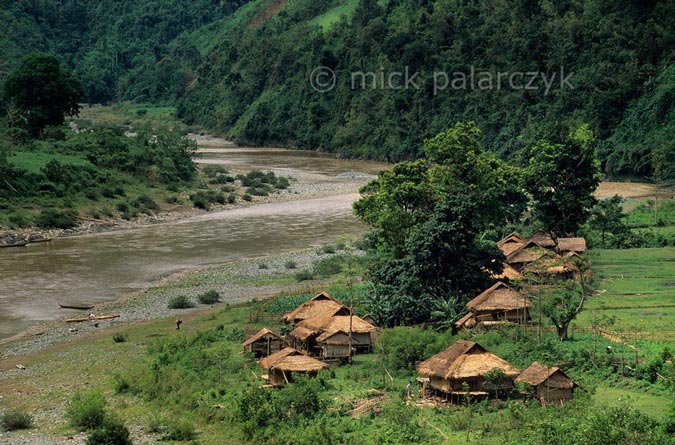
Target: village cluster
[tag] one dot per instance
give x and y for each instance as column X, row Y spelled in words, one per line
column 324, row 330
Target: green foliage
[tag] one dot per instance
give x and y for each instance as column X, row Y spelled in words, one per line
column 120, row 337
column 56, row 219
column 111, row 432
column 402, row 348
column 181, row 302
column 13, row 420
column 180, row 429
column 203, row 199
column 304, row 275
column 290, row 264
column 561, row 178
column 43, row 92
column 87, row 411
column 209, row 297
column 261, row 412
column 607, row 217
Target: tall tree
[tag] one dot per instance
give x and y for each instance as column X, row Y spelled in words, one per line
column 44, row 92
column 607, row 218
column 566, row 302
column 561, row 178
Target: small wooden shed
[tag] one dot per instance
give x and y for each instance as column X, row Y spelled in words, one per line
column 283, row 364
column 548, row 384
column 264, row 342
column 465, row 362
column 333, row 345
column 499, row 303
column 543, row 239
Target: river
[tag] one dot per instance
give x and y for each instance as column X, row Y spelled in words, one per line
column 102, row 267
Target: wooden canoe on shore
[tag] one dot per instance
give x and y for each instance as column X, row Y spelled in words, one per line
column 19, row 244
column 79, row 307
column 100, row 317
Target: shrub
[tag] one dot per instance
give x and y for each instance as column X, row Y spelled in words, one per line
column 181, row 302
column 87, row 411
column 290, row 264
column 172, row 199
column 304, row 275
column 56, row 219
column 247, row 197
column 328, row 249
column 209, row 297
column 214, row 170
column 16, row 420
column 112, row 432
column 231, row 198
column 145, row 202
column 282, row 183
column 263, row 266
column 228, row 188
column 121, row 383
column 120, row 337
column 329, row 266
column 180, row 430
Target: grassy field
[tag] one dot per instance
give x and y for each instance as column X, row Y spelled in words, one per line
column 96, row 362
column 33, row 161
column 640, row 292
column 129, row 114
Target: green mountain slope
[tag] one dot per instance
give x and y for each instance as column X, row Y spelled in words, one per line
column 254, row 85
column 242, row 68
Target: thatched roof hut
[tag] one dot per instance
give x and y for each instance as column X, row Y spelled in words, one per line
column 543, row 239
column 287, row 361
column 510, row 242
column 509, row 273
column 465, row 362
column 527, row 253
column 555, row 266
column 565, row 245
column 550, row 384
column 306, row 333
column 264, row 342
column 499, row 303
column 319, row 304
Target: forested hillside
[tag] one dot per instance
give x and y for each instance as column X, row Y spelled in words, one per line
column 242, row 69
column 107, row 44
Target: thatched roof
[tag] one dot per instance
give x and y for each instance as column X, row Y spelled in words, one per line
column 272, row 359
column 510, row 242
column 500, row 297
column 542, row 239
column 327, row 322
column 291, row 360
column 319, row 304
column 467, row 321
column 577, row 245
column 264, row 333
column 462, row 360
column 536, row 374
column 556, row 265
column 299, row 363
column 333, row 337
column 508, row 273
column 527, row 253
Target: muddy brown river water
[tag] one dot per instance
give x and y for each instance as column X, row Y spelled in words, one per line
column 101, row 267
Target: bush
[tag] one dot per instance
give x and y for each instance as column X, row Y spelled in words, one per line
column 329, row 266
column 247, row 197
column 181, row 302
column 180, row 430
column 328, row 249
column 290, row 264
column 122, row 384
column 228, row 188
column 56, row 219
column 214, row 170
column 120, row 337
column 209, row 297
column 112, row 432
column 203, row 199
column 16, row 420
column 145, row 202
column 231, row 198
column 87, row 411
column 304, row 275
